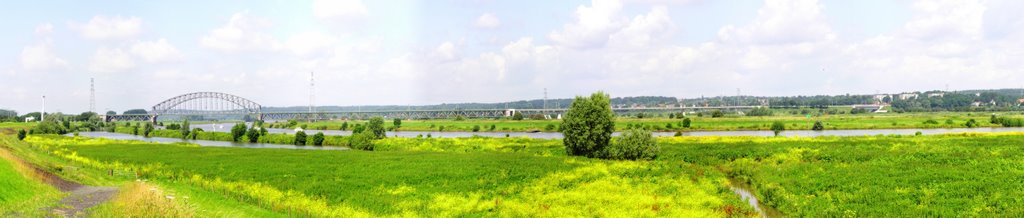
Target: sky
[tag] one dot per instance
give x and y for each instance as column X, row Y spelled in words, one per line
column 428, row 52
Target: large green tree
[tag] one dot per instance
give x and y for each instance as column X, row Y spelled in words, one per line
column 376, row 126
column 588, row 125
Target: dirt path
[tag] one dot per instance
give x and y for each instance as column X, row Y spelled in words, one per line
column 81, row 197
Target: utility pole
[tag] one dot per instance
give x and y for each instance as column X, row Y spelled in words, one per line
column 92, row 95
column 42, row 114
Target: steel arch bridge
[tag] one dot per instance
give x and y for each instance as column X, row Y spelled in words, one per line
column 197, row 103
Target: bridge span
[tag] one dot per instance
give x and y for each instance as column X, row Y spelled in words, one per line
column 215, row 103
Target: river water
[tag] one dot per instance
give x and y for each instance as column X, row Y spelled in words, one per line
column 226, row 127
column 122, row 136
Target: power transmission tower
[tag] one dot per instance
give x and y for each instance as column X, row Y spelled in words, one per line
column 542, row 111
column 92, row 95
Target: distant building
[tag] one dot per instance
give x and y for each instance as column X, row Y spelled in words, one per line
column 1020, row 101
column 30, row 119
column 936, row 94
column 906, row 96
column 976, row 104
column 880, row 98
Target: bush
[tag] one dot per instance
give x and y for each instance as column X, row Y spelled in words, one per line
column 376, row 126
column 318, row 139
column 679, row 133
column 588, row 124
column 459, row 118
column 971, row 123
column 717, row 114
column 253, row 135
column 358, row 129
column 21, row 134
column 517, row 116
column 493, row 127
column 818, row 126
column 398, row 123
column 761, row 111
column 363, row 141
column 344, row 126
column 686, row 122
column 195, row 133
column 300, row 138
column 634, row 144
column 778, row 127
column 476, row 128
column 237, row 131
column 931, row 122
column 549, row 127
column 993, row 119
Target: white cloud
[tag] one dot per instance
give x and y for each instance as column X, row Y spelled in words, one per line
column 310, row 43
column 592, row 25
column 41, row 57
column 156, row 51
column 339, row 11
column 103, row 27
column 446, row 52
column 782, row 22
column 44, row 29
column 242, row 33
column 644, row 29
column 946, row 18
column 487, row 21
column 107, row 60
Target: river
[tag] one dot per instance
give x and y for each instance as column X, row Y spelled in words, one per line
column 122, row 136
column 226, row 127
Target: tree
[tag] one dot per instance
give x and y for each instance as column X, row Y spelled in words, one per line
column 237, row 131
column 344, row 126
column 588, row 124
column 318, row 139
column 397, row 123
column 300, row 138
column 994, row 119
column 86, row 116
column 253, row 134
column 376, row 126
column 52, row 124
column 184, row 129
column 778, row 127
column 634, row 144
column 672, row 116
column 818, row 126
column 135, row 130
column 148, row 128
column 686, row 122
column 21, row 134
column 517, row 116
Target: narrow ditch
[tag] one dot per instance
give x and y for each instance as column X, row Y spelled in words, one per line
column 746, row 193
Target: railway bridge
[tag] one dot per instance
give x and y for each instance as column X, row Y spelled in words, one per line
column 216, row 103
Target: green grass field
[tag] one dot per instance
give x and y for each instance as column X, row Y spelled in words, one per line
column 706, row 123
column 942, row 175
column 420, row 183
